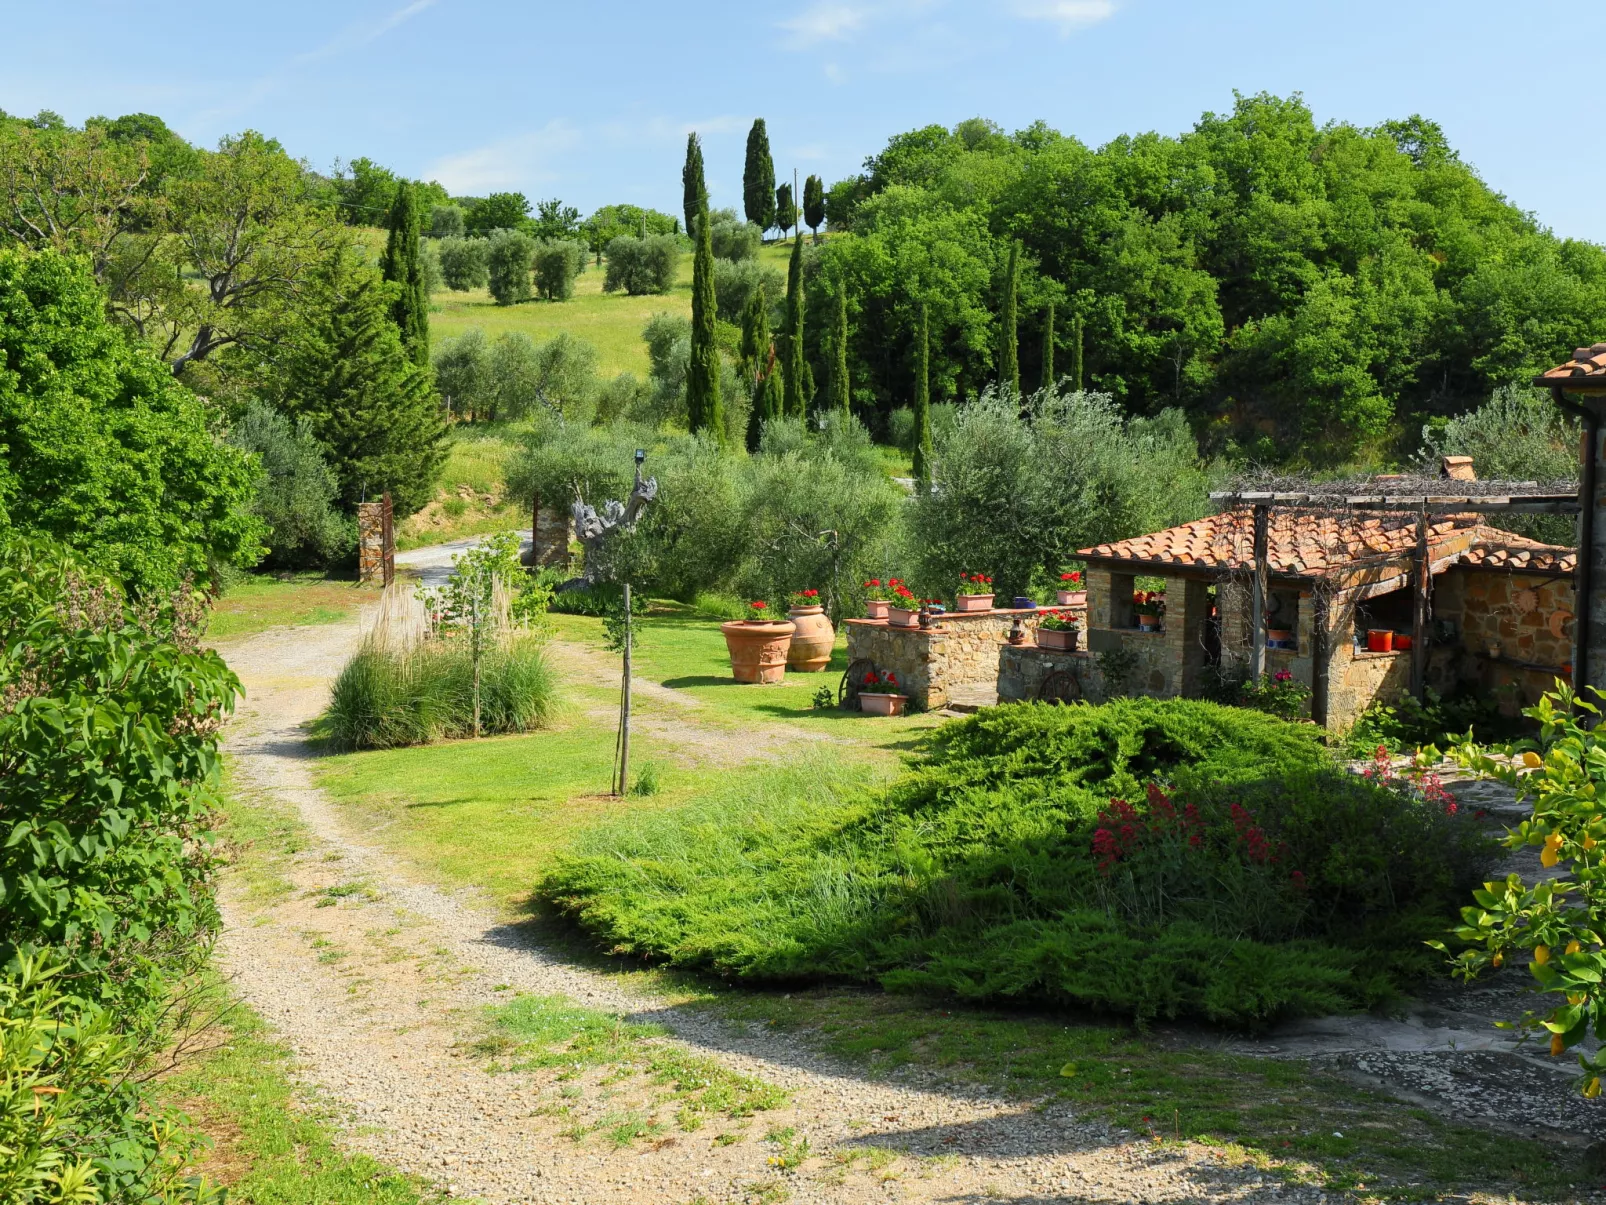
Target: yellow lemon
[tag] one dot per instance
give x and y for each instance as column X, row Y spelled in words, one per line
column 1550, row 855
column 1531, row 760
column 1592, row 1088
column 1556, row 1045
column 1573, row 947
column 1575, row 997
column 1498, row 958
column 1590, row 842
column 1541, row 954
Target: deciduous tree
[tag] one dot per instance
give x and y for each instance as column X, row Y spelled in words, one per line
column 922, row 406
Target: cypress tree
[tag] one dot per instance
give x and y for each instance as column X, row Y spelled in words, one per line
column 923, row 450
column 402, row 265
column 760, row 365
column 841, row 394
column 785, row 208
column 702, row 374
column 1076, row 352
column 792, row 372
column 371, row 408
column 694, row 189
column 1009, row 361
column 814, row 204
column 1048, row 347
column 758, row 178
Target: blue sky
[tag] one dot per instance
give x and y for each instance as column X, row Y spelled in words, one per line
column 591, row 102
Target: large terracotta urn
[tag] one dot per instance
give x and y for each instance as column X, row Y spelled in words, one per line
column 812, row 642
column 758, row 648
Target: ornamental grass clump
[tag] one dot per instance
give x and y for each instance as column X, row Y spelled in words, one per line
column 1159, row 858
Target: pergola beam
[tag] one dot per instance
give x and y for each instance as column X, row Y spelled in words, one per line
column 1483, row 504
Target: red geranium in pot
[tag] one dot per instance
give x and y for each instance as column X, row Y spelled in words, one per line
column 758, row 644
column 879, row 694
column 975, row 593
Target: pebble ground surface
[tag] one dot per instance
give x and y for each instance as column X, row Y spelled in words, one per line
column 378, row 983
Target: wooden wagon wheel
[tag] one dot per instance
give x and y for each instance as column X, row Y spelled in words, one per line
column 1061, row 686
column 847, row 690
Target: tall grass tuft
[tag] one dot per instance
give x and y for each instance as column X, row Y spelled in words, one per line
column 392, row 694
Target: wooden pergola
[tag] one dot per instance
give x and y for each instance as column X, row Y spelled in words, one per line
column 1506, row 498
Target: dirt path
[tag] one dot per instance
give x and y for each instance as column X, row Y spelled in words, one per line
column 377, row 982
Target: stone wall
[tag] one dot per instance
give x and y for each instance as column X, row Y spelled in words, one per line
column 1022, row 670
column 959, row 651
column 1529, row 616
column 1163, row 664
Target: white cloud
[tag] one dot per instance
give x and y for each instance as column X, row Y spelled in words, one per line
column 505, row 164
column 1069, row 15
column 825, row 23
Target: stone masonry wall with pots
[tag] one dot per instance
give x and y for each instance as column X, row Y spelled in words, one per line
column 959, row 650
column 1022, row 670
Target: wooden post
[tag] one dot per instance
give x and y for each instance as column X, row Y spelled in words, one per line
column 388, row 530
column 623, row 785
column 1421, row 584
column 1257, row 602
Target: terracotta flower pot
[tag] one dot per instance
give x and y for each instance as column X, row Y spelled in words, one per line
column 903, row 617
column 1061, row 640
column 813, row 641
column 1280, row 636
column 877, row 703
column 1148, row 623
column 875, row 608
column 1379, row 640
column 758, row 649
column 973, row 602
column 1071, row 598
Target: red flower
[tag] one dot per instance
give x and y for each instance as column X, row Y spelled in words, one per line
column 1072, row 576
column 870, row 678
column 760, row 605
column 890, row 678
column 874, row 581
column 1299, row 880
column 1283, row 675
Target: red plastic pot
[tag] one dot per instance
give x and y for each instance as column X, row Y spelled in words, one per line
column 1379, row 640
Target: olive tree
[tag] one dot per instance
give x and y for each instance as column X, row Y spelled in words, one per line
column 507, row 260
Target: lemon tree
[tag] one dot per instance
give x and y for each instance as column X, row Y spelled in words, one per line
column 1558, row 920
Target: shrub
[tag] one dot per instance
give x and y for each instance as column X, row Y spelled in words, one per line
column 733, row 239
column 557, row 263
column 640, row 266
column 429, row 266
column 558, row 376
column 296, row 492
column 446, row 221
column 464, row 263
column 386, row 698
column 626, row 396
column 508, row 256
column 735, row 283
column 1411, row 724
column 605, row 598
column 982, row 872
column 901, row 428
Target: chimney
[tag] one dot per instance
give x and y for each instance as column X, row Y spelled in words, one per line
column 1457, row 468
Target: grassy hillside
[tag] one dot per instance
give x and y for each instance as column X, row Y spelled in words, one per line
column 611, row 322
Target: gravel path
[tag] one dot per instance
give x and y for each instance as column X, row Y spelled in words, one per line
column 376, row 981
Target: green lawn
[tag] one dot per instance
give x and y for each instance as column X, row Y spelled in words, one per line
column 261, row 601
column 610, row 322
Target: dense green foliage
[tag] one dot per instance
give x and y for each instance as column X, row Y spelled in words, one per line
column 703, row 408
column 1017, row 499
column 737, row 281
column 758, row 178
column 445, row 221
column 108, row 716
column 374, row 412
column 99, row 446
column 1009, row 334
column 642, row 265
column 499, row 211
column 513, row 377
column 920, row 440
column 296, row 493
column 402, row 265
column 1332, row 281
column 734, row 239
column 785, row 208
column 613, row 221
column 1267, row 883
column 841, row 395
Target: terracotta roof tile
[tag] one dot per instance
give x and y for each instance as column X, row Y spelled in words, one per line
column 1312, row 543
column 1586, row 362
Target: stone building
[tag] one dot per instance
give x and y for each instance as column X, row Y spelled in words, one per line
column 1500, row 610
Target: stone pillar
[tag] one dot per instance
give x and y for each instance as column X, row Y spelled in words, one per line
column 551, row 532
column 376, row 542
column 1189, row 602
